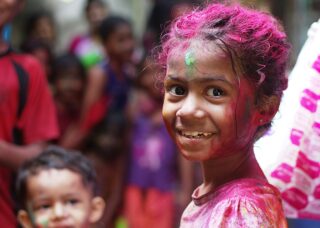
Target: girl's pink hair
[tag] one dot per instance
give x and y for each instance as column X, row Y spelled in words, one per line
column 254, row 40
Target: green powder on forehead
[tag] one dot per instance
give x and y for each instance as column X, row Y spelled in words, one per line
column 189, row 60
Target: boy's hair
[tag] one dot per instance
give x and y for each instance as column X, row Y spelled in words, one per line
column 55, row 157
column 110, row 24
column 254, row 41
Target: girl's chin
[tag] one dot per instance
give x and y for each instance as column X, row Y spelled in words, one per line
column 199, row 155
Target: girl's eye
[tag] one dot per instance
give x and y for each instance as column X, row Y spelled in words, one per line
column 177, row 90
column 215, row 92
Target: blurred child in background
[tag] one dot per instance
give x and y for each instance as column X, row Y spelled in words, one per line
column 109, row 83
column 58, row 189
column 40, row 26
column 106, row 147
column 88, row 47
column 68, row 85
column 41, row 51
column 152, row 171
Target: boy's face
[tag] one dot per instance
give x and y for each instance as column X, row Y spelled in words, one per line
column 208, row 110
column 8, row 9
column 59, row 198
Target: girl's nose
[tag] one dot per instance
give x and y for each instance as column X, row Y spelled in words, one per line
column 191, row 107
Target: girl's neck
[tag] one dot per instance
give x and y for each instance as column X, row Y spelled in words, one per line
column 220, row 171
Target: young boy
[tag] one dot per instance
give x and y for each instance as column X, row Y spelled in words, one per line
column 58, row 189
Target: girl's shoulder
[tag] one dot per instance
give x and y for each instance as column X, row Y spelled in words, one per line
column 239, row 188
column 240, row 203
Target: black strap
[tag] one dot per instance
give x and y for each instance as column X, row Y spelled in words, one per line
column 23, row 92
column 23, row 86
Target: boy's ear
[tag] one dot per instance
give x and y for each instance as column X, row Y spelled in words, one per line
column 267, row 109
column 24, row 219
column 97, row 209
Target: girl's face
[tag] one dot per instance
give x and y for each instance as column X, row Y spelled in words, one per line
column 208, row 110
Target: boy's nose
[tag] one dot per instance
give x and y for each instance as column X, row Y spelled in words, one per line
column 191, row 107
column 58, row 211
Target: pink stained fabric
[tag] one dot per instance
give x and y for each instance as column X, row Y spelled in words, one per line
column 239, row 203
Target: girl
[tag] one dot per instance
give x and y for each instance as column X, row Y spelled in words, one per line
column 225, row 74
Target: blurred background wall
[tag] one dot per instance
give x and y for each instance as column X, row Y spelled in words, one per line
column 296, row 15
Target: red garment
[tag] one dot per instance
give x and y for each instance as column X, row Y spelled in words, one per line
column 38, row 120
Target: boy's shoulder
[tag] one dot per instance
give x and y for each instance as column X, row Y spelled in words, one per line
column 26, row 60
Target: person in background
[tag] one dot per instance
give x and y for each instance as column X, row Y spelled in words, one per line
column 40, row 26
column 88, row 47
column 27, row 113
column 154, row 164
column 163, row 11
column 41, row 51
column 107, row 148
column 108, row 83
column 58, row 188
column 68, row 83
column 225, row 72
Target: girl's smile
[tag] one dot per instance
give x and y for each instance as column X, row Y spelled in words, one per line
column 207, row 111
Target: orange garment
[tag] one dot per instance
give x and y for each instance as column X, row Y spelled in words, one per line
column 148, row 208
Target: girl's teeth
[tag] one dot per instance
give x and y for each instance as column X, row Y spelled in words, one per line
column 195, row 134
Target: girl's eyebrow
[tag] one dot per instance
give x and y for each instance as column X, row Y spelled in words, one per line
column 201, row 80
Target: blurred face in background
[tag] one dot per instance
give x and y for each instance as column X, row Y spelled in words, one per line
column 95, row 13
column 120, row 44
column 8, row 9
column 69, row 85
column 44, row 30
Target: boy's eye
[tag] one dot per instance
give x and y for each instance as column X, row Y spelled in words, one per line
column 177, row 90
column 43, row 207
column 215, row 92
column 72, row 201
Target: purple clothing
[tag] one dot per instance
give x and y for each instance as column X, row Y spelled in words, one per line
column 153, row 157
column 239, row 203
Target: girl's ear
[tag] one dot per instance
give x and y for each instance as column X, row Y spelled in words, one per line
column 267, row 109
column 24, row 219
column 97, row 209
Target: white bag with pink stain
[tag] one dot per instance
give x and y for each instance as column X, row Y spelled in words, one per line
column 290, row 153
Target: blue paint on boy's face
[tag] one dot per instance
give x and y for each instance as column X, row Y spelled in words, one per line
column 207, row 114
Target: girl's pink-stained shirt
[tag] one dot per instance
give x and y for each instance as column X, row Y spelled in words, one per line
column 239, row 203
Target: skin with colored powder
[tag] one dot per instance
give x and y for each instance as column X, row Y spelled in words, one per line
column 190, row 60
column 58, row 189
column 223, row 84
